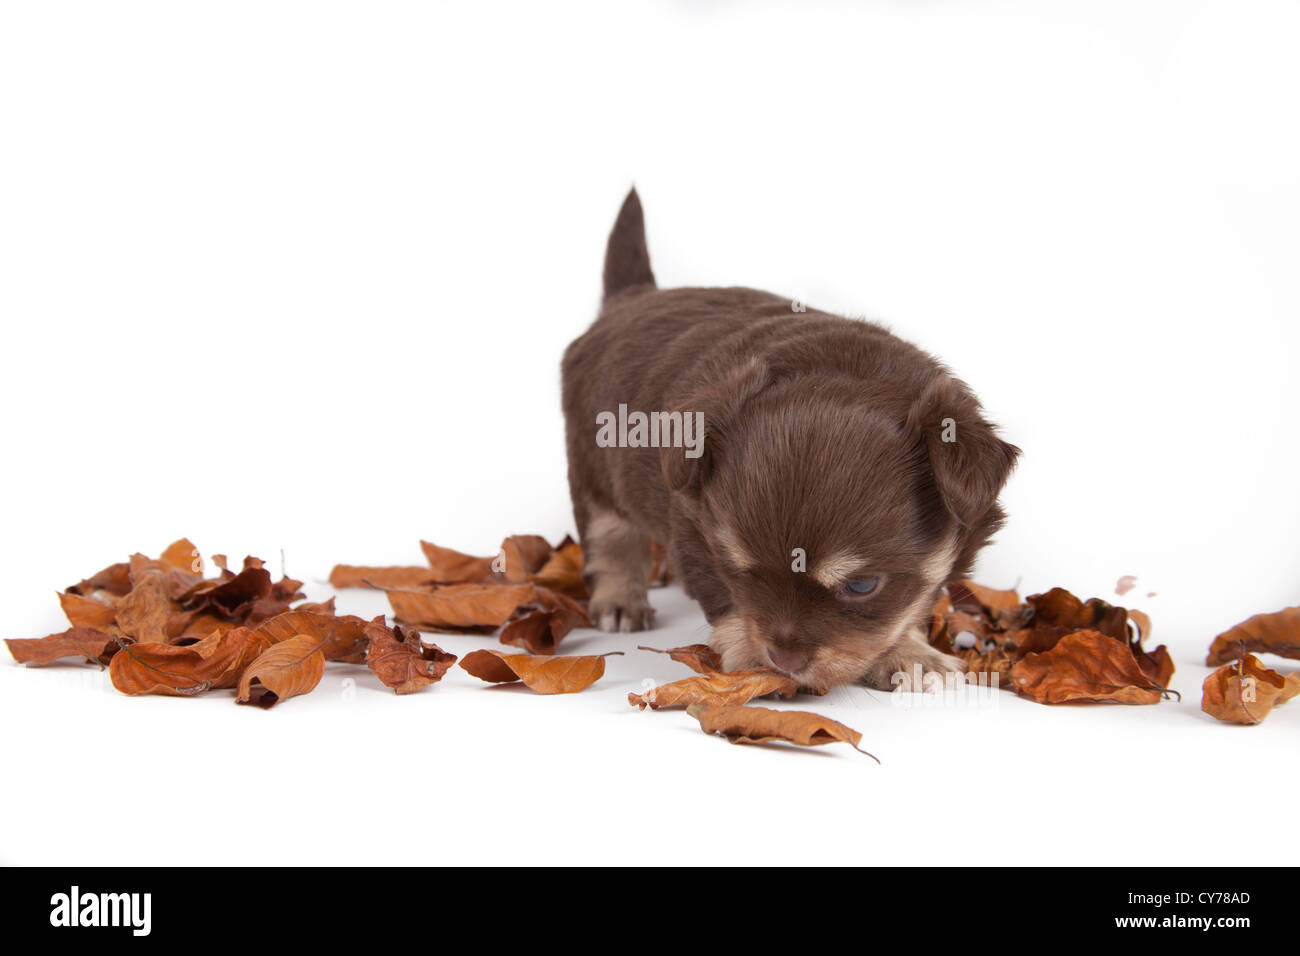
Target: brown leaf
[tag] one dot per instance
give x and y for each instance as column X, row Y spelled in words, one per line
column 991, row 600
column 460, row 606
column 114, row 579
column 1275, row 633
column 698, row 657
column 285, row 670
column 360, row 576
column 757, row 725
column 1085, row 665
column 83, row 642
column 1245, row 691
column 525, row 555
column 183, row 556
column 451, row 566
column 1059, row 608
column 142, row 615
column 542, row 674
column 562, row 571
column 89, row 612
column 402, row 660
column 341, row 638
column 718, row 688
column 177, row 671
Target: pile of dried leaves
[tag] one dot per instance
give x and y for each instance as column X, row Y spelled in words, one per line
column 1052, row 647
column 530, row 590
column 164, row 628
column 1243, row 690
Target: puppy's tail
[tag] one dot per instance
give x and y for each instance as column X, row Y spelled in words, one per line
column 627, row 261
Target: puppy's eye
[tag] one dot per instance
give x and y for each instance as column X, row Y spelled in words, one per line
column 860, row 587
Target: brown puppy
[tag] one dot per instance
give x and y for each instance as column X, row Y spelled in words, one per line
column 814, row 479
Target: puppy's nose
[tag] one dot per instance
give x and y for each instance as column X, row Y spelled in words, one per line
column 788, row 659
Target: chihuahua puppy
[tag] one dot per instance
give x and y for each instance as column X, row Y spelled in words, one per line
column 815, row 480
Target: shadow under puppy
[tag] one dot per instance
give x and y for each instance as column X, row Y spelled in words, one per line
column 815, row 480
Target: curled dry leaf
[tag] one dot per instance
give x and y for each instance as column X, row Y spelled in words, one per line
column 698, row 657
column 1245, row 691
column 451, row 566
column 287, row 669
column 1085, row 665
column 86, row 643
column 757, row 725
column 562, row 572
column 401, row 660
column 142, row 615
column 1275, row 633
column 96, row 612
column 541, row 674
column 341, row 638
column 460, row 607
column 717, row 688
column 360, row 576
column 184, row 671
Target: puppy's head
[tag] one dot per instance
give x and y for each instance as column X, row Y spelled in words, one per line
column 833, row 516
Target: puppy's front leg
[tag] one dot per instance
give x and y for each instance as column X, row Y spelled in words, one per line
column 912, row 656
column 616, row 566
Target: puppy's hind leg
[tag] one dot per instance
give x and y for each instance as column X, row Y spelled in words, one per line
column 616, row 566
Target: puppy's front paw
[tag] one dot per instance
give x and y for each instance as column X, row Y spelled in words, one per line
column 621, row 615
column 909, row 666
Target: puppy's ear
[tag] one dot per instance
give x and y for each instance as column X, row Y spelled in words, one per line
column 718, row 405
column 970, row 462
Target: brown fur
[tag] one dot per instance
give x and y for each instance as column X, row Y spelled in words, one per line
column 821, row 433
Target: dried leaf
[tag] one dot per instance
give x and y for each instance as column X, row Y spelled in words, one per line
column 992, row 600
column 524, row 555
column 460, row 606
column 1245, row 691
column 717, row 688
column 542, row 674
column 402, row 660
column 89, row 612
column 1085, row 665
column 757, row 725
column 341, row 638
column 698, row 657
column 285, row 670
column 142, row 615
column 452, row 566
column 177, row 671
column 1275, row 633
column 360, row 576
column 83, row 642
column 562, row 571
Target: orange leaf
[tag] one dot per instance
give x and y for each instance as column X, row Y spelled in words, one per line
column 88, row 612
column 544, row 675
column 1275, row 633
column 84, row 642
column 1085, row 665
column 285, row 670
column 757, row 725
column 402, row 660
column 360, row 576
column 698, row 657
column 451, row 566
column 184, row 671
column 460, row 606
column 1245, row 691
column 718, row 688
column 142, row 615
column 341, row 638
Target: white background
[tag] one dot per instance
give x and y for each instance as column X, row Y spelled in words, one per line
column 297, row 277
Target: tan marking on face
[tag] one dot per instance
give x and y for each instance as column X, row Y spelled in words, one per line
column 733, row 641
column 835, row 570
column 728, row 544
